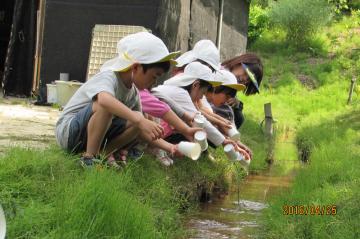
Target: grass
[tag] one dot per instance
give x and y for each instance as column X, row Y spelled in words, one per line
column 46, row 195
column 308, row 90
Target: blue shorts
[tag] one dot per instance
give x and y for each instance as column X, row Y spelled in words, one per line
column 78, row 130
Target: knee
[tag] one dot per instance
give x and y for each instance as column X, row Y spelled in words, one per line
column 100, row 110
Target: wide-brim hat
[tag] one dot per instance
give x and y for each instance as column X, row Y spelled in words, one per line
column 204, row 50
column 142, row 48
column 192, row 72
column 228, row 79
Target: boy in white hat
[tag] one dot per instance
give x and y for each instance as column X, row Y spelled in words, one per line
column 185, row 89
column 206, row 53
column 105, row 112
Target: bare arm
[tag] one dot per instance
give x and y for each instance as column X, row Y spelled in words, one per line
column 180, row 125
column 149, row 129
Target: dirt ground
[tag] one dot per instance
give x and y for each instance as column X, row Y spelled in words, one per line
column 26, row 125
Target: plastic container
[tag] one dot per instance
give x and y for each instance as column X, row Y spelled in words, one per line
column 51, row 93
column 64, row 76
column 2, row 224
column 65, row 90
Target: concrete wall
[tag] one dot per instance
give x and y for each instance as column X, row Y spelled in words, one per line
column 234, row 29
column 68, row 26
column 182, row 23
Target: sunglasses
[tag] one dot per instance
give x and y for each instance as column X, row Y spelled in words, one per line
column 251, row 76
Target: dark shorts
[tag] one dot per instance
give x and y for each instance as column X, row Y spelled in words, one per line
column 78, row 130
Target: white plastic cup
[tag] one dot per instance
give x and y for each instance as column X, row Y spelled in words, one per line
column 230, row 152
column 199, row 121
column 190, row 150
column 64, row 76
column 2, row 224
column 234, row 134
column 200, row 138
column 244, row 162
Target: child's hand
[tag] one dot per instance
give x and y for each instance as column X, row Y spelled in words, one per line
column 175, row 151
column 190, row 132
column 237, row 148
column 243, row 152
column 233, row 102
column 225, row 124
column 246, row 148
column 150, row 130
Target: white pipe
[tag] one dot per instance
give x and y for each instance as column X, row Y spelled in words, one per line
column 219, row 26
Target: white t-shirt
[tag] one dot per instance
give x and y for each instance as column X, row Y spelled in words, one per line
column 101, row 82
column 183, row 99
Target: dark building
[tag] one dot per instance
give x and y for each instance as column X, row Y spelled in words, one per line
column 63, row 29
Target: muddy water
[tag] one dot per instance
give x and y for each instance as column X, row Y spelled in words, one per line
column 237, row 215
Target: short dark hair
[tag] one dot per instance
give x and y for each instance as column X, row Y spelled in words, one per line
column 203, row 84
column 226, row 90
column 163, row 65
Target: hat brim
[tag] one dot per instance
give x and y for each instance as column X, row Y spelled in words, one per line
column 183, row 79
column 237, row 87
column 251, row 77
column 170, row 58
column 123, row 65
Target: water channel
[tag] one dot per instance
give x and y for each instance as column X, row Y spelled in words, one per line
column 237, row 215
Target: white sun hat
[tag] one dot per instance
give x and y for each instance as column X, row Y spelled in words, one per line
column 228, row 79
column 192, row 72
column 141, row 47
column 204, row 50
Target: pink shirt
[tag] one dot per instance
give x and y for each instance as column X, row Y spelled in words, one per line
column 156, row 108
column 152, row 105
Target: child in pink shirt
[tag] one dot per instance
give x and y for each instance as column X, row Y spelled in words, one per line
column 154, row 107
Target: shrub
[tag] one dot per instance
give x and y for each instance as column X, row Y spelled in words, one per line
column 258, row 22
column 300, row 19
column 344, row 6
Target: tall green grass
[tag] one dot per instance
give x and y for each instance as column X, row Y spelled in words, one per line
column 325, row 126
column 45, row 194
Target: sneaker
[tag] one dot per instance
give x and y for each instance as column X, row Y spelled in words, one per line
column 88, row 161
column 135, row 154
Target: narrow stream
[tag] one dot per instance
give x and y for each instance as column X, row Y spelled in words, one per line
column 237, row 214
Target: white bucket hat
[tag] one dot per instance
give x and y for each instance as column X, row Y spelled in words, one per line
column 192, row 72
column 228, row 79
column 141, row 47
column 204, row 50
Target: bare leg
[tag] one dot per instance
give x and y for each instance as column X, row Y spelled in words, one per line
column 98, row 125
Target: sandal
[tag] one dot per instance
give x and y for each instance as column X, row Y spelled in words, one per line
column 111, row 163
column 163, row 158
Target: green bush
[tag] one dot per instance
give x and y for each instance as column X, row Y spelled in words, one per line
column 300, row 19
column 258, row 22
column 344, row 6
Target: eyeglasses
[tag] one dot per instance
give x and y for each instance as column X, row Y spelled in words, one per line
column 251, row 76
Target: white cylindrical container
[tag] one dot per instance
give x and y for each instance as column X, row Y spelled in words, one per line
column 234, row 134
column 191, row 150
column 2, row 224
column 199, row 121
column 200, row 138
column 231, row 152
column 51, row 93
column 65, row 90
column 64, row 77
